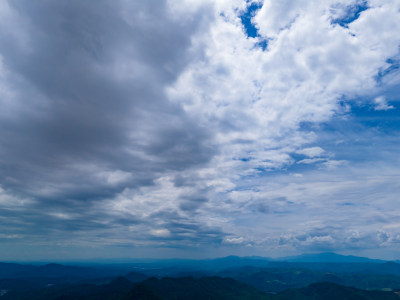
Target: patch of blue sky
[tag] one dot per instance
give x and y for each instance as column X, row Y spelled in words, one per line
column 263, row 44
column 385, row 121
column 392, row 95
column 244, row 159
column 361, row 135
column 249, row 28
column 346, row 204
column 246, row 16
column 352, row 13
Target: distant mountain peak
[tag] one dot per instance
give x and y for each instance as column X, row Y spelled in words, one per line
column 329, row 257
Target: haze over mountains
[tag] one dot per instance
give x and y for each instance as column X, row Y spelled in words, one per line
column 311, row 276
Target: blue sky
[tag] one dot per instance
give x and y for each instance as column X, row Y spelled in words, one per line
column 199, row 129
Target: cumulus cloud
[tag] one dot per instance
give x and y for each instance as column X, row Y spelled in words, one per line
column 381, row 104
column 234, row 240
column 161, row 232
column 311, row 152
column 310, row 160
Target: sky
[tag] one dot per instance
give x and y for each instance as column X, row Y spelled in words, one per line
column 195, row 129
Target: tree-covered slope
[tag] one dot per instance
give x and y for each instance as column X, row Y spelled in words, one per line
column 332, row 291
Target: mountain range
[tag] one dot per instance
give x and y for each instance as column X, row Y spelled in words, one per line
column 319, row 276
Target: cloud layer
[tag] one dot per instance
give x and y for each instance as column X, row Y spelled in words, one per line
column 162, row 125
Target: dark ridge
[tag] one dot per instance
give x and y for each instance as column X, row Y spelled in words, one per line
column 332, row 291
column 203, row 288
column 136, row 276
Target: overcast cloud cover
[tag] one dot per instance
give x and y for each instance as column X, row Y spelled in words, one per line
column 188, row 128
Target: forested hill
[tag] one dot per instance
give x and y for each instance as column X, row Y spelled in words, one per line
column 323, row 276
column 184, row 288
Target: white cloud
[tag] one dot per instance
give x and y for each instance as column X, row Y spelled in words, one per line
column 332, row 164
column 311, row 152
column 255, row 100
column 12, row 202
column 308, row 161
column 160, row 232
column 381, row 104
column 234, row 240
column 115, row 177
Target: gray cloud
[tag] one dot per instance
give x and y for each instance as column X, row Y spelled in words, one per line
column 89, row 115
column 90, row 98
